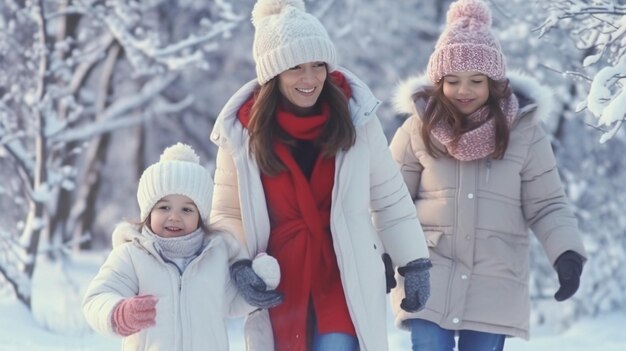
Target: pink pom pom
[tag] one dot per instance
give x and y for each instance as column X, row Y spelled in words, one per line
column 475, row 10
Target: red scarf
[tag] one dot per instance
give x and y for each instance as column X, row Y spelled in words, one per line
column 300, row 238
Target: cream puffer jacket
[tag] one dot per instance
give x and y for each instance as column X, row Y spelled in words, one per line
column 192, row 307
column 476, row 217
column 371, row 213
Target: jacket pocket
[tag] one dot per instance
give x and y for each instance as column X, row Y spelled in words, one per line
column 432, row 237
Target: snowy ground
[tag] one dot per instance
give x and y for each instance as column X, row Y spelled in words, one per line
column 59, row 310
column 19, row 332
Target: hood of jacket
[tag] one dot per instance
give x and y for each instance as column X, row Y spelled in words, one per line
column 126, row 232
column 228, row 132
column 531, row 94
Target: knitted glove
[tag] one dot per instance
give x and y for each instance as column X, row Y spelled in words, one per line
column 266, row 267
column 569, row 267
column 252, row 287
column 389, row 273
column 134, row 314
column 416, row 284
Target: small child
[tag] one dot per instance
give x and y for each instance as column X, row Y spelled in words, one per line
column 167, row 284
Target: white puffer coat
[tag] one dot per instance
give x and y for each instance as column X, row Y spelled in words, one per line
column 192, row 307
column 476, row 216
column 371, row 213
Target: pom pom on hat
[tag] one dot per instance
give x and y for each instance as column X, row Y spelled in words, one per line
column 177, row 172
column 475, row 10
column 179, row 152
column 273, row 7
column 286, row 36
column 467, row 43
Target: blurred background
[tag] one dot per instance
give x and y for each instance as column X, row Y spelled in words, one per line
column 91, row 91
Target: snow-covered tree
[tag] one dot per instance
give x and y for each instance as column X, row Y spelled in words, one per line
column 597, row 28
column 72, row 72
column 566, row 44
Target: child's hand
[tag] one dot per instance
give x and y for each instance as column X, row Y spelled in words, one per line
column 569, row 267
column 134, row 314
column 416, row 284
column 266, row 267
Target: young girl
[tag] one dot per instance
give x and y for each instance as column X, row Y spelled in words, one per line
column 481, row 173
column 166, row 285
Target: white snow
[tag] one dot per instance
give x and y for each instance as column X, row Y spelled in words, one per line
column 19, row 331
column 58, row 288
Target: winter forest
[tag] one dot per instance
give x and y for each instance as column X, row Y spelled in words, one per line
column 91, row 92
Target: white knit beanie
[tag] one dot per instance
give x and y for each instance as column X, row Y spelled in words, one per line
column 287, row 36
column 177, row 172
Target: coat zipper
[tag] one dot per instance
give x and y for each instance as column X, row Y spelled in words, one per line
column 372, row 109
column 488, row 164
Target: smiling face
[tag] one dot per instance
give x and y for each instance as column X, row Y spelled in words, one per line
column 302, row 85
column 467, row 91
column 173, row 216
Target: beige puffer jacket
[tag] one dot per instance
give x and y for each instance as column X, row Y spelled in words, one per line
column 476, row 217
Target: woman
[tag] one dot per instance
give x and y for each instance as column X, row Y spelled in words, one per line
column 481, row 172
column 304, row 172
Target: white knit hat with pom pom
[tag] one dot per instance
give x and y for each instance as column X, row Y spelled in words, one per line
column 286, row 36
column 177, row 172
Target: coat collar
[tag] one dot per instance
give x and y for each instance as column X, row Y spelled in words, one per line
column 532, row 95
column 229, row 133
column 126, row 232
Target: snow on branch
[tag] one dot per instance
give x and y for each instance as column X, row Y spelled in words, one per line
column 191, row 41
column 143, row 51
column 97, row 50
column 13, row 146
column 106, row 126
column 148, row 91
column 74, row 71
column 112, row 118
column 598, row 28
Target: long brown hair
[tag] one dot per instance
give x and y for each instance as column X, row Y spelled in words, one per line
column 338, row 133
column 441, row 109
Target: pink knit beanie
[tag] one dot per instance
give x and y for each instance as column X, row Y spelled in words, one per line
column 467, row 43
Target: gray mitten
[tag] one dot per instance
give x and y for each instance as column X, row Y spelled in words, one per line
column 416, row 284
column 252, row 287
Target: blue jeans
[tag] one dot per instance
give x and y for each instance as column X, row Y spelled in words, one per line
column 428, row 336
column 335, row 342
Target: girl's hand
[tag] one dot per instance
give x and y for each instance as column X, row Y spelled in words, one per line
column 134, row 314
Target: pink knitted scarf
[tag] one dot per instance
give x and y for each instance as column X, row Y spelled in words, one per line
column 480, row 141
